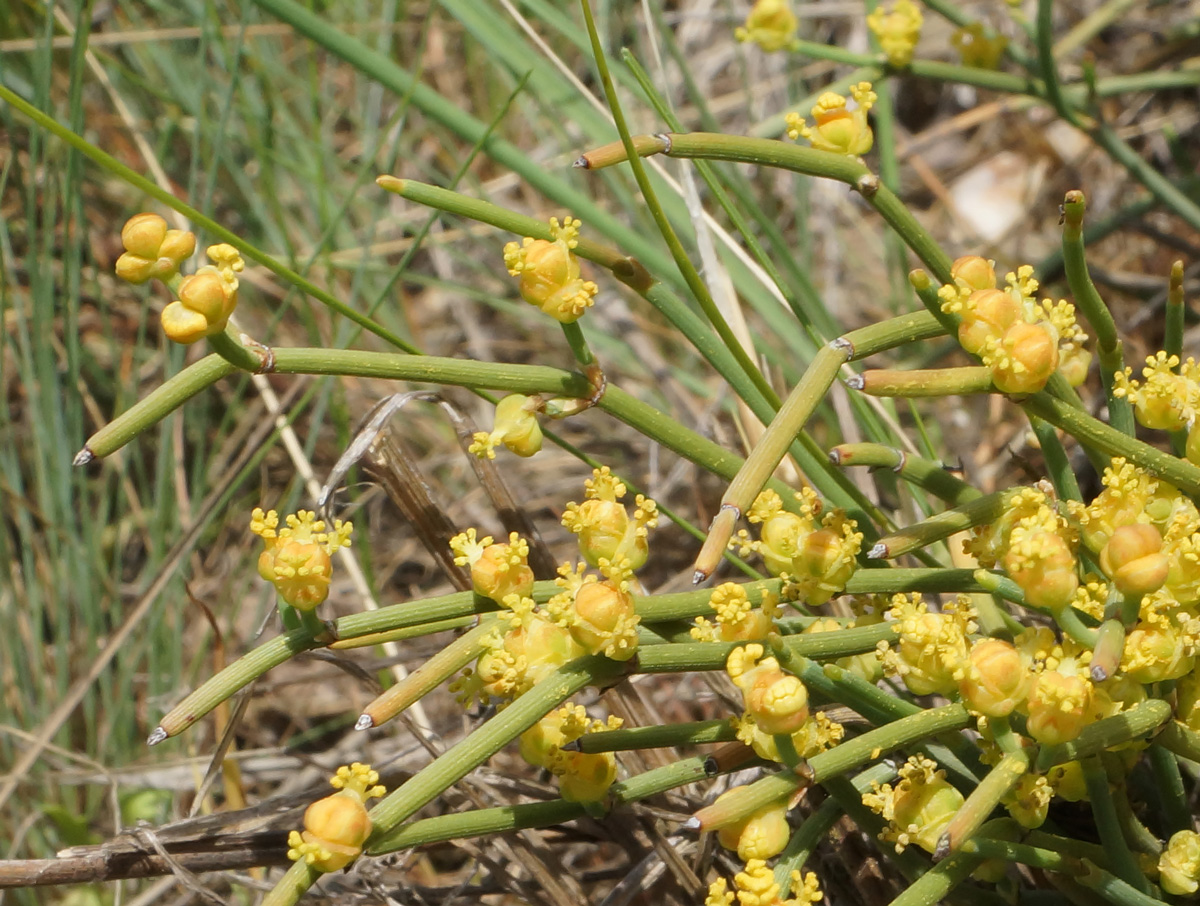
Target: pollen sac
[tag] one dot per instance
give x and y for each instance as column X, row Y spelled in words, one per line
column 336, row 827
column 297, row 559
column 151, row 250
column 550, row 273
column 1134, row 561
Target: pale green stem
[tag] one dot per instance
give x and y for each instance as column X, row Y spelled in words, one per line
column 400, row 635
column 1173, row 338
column 1121, row 857
column 1140, row 720
column 917, row 383
column 959, row 519
column 934, row 885
column 1062, row 476
column 901, row 330
column 1099, row 436
column 661, row 736
column 983, row 800
column 1033, row 856
column 1172, row 794
column 768, row 453
column 1108, row 343
column 1180, row 740
column 431, row 674
column 925, row 474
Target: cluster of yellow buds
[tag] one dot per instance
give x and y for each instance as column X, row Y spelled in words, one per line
column 1023, row 341
column 931, row 652
column 1179, row 864
column 978, row 47
column 515, row 426
column 1167, row 398
column 835, row 128
column 898, row 30
column 771, row 25
column 549, row 270
column 817, row 557
column 737, row 619
column 776, row 707
column 297, row 559
column 151, row 250
column 919, row 806
column 336, row 827
column 756, row 886
column 609, row 538
column 582, row 776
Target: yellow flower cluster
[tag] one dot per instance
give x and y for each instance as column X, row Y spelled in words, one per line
column 919, row 806
column 1167, row 398
column 756, row 886
column 1023, row 341
column 336, row 827
column 611, row 540
column 771, row 25
column 776, row 707
column 297, row 559
column 549, row 270
column 817, row 557
column 836, row 128
column 737, row 619
column 930, row 653
column 898, row 30
column 582, row 776
column 515, row 426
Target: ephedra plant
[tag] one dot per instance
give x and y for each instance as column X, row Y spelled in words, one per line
column 953, row 713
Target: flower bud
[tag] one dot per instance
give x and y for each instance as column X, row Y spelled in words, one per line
column 837, row 129
column 1041, row 563
column 497, row 570
column 777, row 701
column 585, row 777
column 977, row 47
column 1030, row 357
column 1134, row 561
column 826, row 559
column 605, row 621
column 336, row 827
column 549, row 272
column 205, row 303
column 516, row 426
column 930, row 654
column 996, row 679
column 1029, row 801
column 771, row 25
column 151, row 250
column 761, row 835
column 1179, row 864
column 1067, row 781
column 1155, row 652
column 919, row 807
column 987, row 313
column 1059, row 706
column 780, row 538
column 975, row 272
column 297, row 559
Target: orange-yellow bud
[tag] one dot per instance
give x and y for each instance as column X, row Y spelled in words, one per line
column 987, row 313
column 777, row 701
column 550, row 274
column 977, row 47
column 1031, row 357
column 1134, row 560
column 977, row 273
column 297, row 559
column 838, row 129
column 1043, row 565
column 605, row 621
column 919, row 807
column 761, row 835
column 206, row 300
column 771, row 25
column 151, row 250
column 336, row 827
column 501, row 571
column 997, row 680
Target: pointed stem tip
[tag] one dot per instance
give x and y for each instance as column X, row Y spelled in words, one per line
column 156, row 737
column 878, row 552
column 365, row 722
column 83, row 457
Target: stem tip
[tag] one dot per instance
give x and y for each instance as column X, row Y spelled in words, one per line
column 83, row 457
column 878, row 552
column 364, row 722
column 156, row 737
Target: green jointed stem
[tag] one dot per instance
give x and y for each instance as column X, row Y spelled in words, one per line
column 933, row 886
column 230, row 347
column 240, row 673
column 925, row 474
column 1062, row 475
column 1105, row 439
column 662, row 736
column 1173, row 329
column 812, row 831
column 155, row 406
column 1140, row 720
column 1087, row 299
column 918, row 383
column 898, row 331
column 1104, row 812
column 1168, row 782
column 943, row 525
column 482, row 822
column 983, row 800
column 1047, row 64
column 507, row 725
column 809, row 161
column 1180, row 740
column 1033, row 856
column 431, row 674
column 769, row 451
column 691, row 276
column 400, row 635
